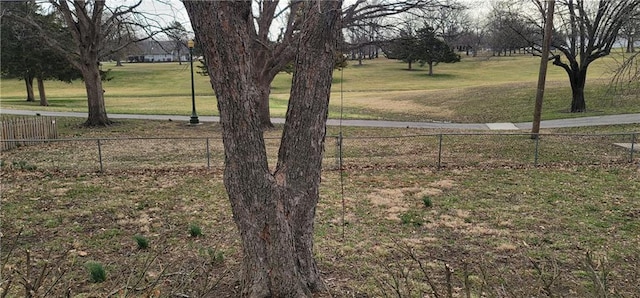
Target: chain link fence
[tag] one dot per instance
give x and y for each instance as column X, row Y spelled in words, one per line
column 430, row 150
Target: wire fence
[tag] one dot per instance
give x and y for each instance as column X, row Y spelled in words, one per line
column 430, row 150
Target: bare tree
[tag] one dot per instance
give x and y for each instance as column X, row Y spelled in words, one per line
column 587, row 32
column 178, row 35
column 449, row 20
column 274, row 211
column 630, row 31
column 89, row 23
column 508, row 30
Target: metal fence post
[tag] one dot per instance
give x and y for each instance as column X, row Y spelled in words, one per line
column 535, row 161
column 208, row 156
column 633, row 142
column 339, row 150
column 439, row 151
column 100, row 155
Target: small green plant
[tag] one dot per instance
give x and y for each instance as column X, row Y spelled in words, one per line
column 195, row 230
column 412, row 218
column 23, row 165
column 143, row 243
column 427, row 201
column 215, row 256
column 97, row 274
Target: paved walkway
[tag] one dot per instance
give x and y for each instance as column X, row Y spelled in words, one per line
column 559, row 123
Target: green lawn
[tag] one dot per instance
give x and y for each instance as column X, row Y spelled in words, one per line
column 482, row 89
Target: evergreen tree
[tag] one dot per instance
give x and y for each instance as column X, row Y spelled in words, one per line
column 25, row 56
column 432, row 50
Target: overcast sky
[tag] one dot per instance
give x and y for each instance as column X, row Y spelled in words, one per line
column 168, row 11
column 173, row 10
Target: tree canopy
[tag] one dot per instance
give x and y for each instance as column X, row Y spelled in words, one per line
column 26, row 56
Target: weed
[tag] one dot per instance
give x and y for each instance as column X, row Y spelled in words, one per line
column 411, row 217
column 195, row 230
column 23, row 165
column 427, row 201
column 214, row 256
column 97, row 274
column 143, row 243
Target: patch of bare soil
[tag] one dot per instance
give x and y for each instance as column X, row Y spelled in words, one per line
column 396, row 201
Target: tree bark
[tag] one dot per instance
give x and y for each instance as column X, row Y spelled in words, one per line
column 578, row 80
column 28, row 81
column 274, row 212
column 43, row 95
column 264, row 90
column 95, row 95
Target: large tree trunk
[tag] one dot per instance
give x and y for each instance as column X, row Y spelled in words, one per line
column 577, row 77
column 274, row 212
column 578, row 80
column 43, row 95
column 95, row 95
column 28, row 81
column 430, row 69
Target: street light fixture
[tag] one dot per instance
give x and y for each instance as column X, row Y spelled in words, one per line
column 194, row 116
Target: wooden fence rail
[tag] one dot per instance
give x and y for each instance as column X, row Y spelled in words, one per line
column 19, row 130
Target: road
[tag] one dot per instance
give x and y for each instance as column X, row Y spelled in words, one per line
column 559, row 123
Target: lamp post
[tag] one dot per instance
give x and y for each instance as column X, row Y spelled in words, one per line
column 194, row 116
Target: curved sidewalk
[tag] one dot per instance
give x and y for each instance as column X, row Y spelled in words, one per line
column 559, row 123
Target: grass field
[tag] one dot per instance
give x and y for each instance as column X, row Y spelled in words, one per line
column 487, row 224
column 483, row 89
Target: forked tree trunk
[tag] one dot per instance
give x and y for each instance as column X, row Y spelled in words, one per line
column 43, row 95
column 274, row 212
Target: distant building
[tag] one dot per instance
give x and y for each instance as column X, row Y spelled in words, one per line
column 158, row 51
